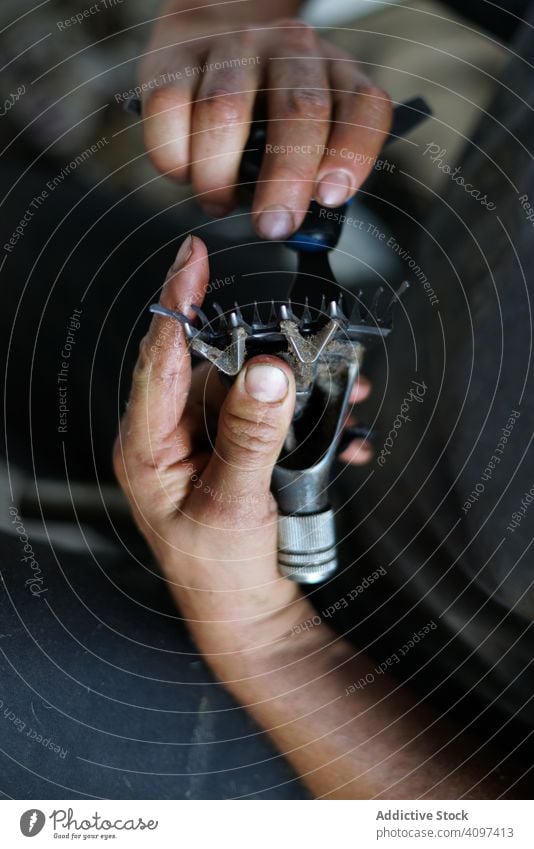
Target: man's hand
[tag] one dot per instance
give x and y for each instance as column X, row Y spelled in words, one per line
column 205, row 507
column 208, row 514
column 326, row 121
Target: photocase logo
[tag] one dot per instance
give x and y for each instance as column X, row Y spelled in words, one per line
column 32, row 822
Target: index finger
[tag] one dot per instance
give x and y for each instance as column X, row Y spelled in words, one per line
column 361, row 123
column 162, row 375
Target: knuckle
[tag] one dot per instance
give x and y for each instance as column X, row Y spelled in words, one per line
column 248, row 38
column 298, row 170
column 307, row 103
column 223, row 106
column 164, row 97
column 300, row 31
column 252, row 439
column 165, row 109
column 146, row 378
column 380, row 94
column 377, row 101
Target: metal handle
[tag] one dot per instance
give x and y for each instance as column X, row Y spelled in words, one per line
column 307, row 547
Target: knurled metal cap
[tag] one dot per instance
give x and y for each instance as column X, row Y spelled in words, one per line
column 307, row 547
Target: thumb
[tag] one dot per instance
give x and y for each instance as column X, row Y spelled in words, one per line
column 253, row 424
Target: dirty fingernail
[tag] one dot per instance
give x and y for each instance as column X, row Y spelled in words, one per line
column 186, row 249
column 275, row 222
column 334, row 189
column 266, row 383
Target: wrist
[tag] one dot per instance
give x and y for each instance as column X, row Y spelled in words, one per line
column 290, row 656
column 239, row 619
column 242, row 638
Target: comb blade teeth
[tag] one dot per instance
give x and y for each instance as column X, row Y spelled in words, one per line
column 256, row 317
column 226, row 338
column 356, row 312
column 189, row 330
column 333, row 311
column 291, row 314
column 404, row 286
column 374, row 313
column 368, row 307
column 306, row 314
column 388, row 313
column 223, row 324
column 202, row 316
column 340, row 311
column 237, row 320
